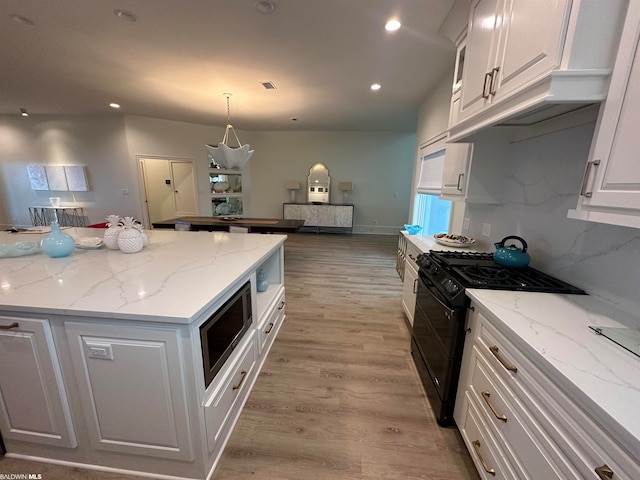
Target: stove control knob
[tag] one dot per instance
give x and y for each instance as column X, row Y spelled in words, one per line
column 450, row 287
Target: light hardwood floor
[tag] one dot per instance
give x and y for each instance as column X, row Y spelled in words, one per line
column 338, row 397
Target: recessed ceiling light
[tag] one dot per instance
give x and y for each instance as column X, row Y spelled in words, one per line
column 392, row 25
column 125, row 16
column 114, row 105
column 23, row 112
column 21, row 20
column 376, row 86
column 265, row 6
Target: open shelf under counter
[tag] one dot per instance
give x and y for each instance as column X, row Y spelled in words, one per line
column 265, row 299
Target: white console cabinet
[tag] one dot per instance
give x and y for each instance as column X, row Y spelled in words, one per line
column 517, row 422
column 325, row 217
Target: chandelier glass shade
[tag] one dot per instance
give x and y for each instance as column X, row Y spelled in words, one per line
column 228, row 157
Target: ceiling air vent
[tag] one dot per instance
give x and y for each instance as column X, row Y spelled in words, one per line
column 268, row 85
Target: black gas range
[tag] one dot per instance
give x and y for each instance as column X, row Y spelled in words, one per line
column 441, row 306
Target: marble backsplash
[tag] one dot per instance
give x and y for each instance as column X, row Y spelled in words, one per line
column 542, row 182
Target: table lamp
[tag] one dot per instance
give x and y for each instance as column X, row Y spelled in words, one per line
column 345, row 187
column 292, row 186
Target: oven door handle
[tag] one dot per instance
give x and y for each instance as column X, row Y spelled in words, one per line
column 435, row 296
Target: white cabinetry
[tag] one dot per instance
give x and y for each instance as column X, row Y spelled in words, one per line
column 325, row 217
column 132, row 388
column 521, row 57
column 611, row 185
column 517, row 422
column 33, row 400
column 410, row 282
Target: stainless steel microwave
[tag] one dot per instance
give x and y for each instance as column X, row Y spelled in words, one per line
column 221, row 332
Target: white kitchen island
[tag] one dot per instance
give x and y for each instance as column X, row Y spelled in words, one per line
column 142, row 407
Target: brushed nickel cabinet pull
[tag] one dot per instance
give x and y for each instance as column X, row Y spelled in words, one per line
column 268, row 331
column 8, row 327
column 459, row 181
column 476, row 447
column 505, row 364
column 604, row 472
column 585, row 179
column 281, row 305
column 487, row 81
column 415, row 285
column 494, row 78
column 243, row 376
column 487, row 398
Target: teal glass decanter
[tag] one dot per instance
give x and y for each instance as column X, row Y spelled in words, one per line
column 57, row 243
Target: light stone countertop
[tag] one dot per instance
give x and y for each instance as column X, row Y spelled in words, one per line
column 173, row 279
column 553, row 330
column 426, row 242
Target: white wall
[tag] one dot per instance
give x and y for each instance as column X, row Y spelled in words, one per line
column 378, row 163
column 95, row 141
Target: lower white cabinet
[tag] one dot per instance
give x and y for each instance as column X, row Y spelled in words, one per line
column 132, row 388
column 410, row 282
column 33, row 400
column 518, row 423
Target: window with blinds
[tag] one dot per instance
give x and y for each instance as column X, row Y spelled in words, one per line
column 432, row 166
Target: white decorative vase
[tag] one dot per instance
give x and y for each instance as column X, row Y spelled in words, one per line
column 111, row 234
column 130, row 239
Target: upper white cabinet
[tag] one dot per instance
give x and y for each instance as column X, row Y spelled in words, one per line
column 526, row 61
column 611, row 185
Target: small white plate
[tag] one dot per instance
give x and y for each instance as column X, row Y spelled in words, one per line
column 89, row 243
column 459, row 241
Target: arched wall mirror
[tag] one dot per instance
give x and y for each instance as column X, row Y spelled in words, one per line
column 318, row 183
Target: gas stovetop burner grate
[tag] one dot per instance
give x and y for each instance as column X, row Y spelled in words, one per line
column 478, row 270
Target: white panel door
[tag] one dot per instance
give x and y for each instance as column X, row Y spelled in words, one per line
column 33, row 401
column 184, row 188
column 132, row 388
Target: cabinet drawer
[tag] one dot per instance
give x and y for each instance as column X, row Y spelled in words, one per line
column 482, row 447
column 227, row 397
column 531, row 451
column 583, row 443
column 268, row 329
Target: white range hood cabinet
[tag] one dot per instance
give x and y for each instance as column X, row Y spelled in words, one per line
column 522, row 73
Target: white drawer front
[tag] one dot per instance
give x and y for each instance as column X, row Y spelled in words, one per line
column 482, row 447
column 225, row 399
column 268, row 329
column 531, row 450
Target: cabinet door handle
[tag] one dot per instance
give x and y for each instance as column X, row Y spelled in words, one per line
column 281, row 305
column 268, row 331
column 486, row 395
column 604, row 472
column 476, row 447
column 415, row 285
column 242, row 377
column 460, row 181
column 585, row 179
column 494, row 80
column 509, row 366
column 487, row 82
column 8, row 327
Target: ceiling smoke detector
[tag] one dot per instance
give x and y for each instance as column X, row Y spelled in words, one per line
column 268, row 85
column 265, row 6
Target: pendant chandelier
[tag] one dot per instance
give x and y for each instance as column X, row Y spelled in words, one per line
column 226, row 156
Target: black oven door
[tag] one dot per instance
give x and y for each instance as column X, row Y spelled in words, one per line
column 438, row 332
